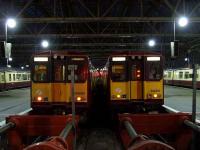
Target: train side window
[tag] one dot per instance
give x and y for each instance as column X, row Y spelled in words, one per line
column 169, row 74
column 24, row 76
column 18, row 76
column 180, row 75
column 10, row 77
column 2, row 77
column 59, row 71
column 40, row 73
column 187, row 75
column 118, row 72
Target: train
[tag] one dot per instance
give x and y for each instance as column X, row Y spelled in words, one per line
column 12, row 78
column 181, row 77
column 135, row 78
column 51, row 81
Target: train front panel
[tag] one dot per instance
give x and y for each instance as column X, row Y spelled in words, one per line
column 135, row 79
column 51, row 81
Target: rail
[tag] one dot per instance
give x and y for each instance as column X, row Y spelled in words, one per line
column 66, row 130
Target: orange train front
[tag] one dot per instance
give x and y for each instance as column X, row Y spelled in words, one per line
column 51, row 81
column 135, row 78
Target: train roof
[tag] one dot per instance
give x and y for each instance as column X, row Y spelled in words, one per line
column 3, row 69
column 178, row 69
column 136, row 53
column 50, row 53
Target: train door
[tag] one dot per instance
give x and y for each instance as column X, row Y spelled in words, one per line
column 59, row 80
column 81, row 78
column 119, row 84
column 136, row 73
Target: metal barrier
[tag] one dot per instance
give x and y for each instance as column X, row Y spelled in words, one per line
column 6, row 127
column 66, row 130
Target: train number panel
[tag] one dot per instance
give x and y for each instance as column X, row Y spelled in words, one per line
column 51, row 81
column 136, row 79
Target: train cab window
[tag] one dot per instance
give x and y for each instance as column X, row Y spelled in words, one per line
column 187, row 75
column 153, row 68
column 180, row 75
column 81, row 73
column 118, row 72
column 10, row 77
column 40, row 73
column 59, row 71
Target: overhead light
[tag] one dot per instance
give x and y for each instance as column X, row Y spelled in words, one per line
column 40, row 58
column 151, row 43
column 11, row 23
column 119, row 59
column 183, row 21
column 153, row 58
column 22, row 67
column 9, row 66
column 186, row 59
column 45, row 43
column 10, row 58
column 27, row 66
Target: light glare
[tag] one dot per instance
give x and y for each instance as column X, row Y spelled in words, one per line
column 183, row 21
column 11, row 23
column 10, row 58
column 118, row 58
column 45, row 43
column 153, row 58
column 40, row 58
column 152, row 43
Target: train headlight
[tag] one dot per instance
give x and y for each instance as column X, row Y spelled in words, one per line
column 155, row 95
column 118, row 96
column 39, row 98
column 78, row 98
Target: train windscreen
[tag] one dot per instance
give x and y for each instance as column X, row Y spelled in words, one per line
column 81, row 69
column 118, row 72
column 40, row 73
column 153, row 68
column 59, row 71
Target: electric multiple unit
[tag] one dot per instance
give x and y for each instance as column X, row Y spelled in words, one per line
column 51, row 80
column 11, row 78
column 135, row 77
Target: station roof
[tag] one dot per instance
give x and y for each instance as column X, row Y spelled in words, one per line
column 98, row 27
